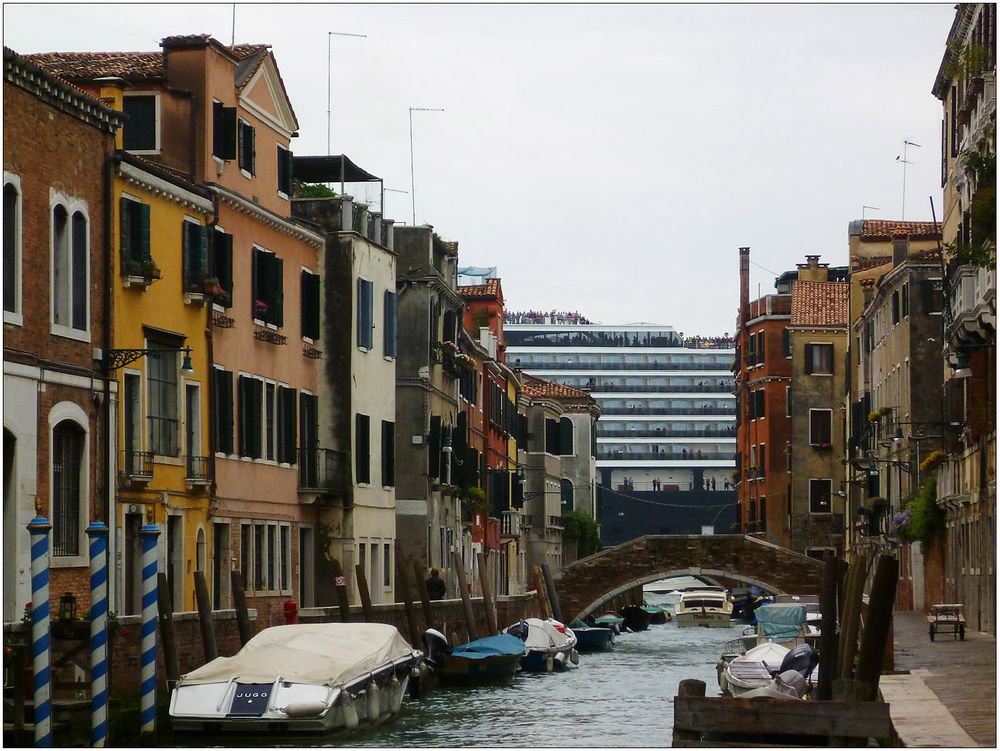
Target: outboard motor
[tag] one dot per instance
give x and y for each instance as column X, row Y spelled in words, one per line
column 520, row 630
column 803, row 659
column 437, row 646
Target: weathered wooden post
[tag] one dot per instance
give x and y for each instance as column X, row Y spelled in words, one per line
column 366, row 600
column 470, row 617
column 205, row 620
column 98, row 534
column 425, row 599
column 240, row 604
column 164, row 607
column 688, row 688
column 828, row 631
column 340, row 585
column 880, row 603
column 551, row 594
column 39, row 528
column 848, row 646
column 402, row 577
column 489, row 608
column 543, row 600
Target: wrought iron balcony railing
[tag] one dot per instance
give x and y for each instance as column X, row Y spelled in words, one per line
column 324, row 470
column 138, row 465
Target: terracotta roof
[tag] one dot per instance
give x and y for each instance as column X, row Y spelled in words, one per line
column 179, row 178
column 490, row 289
column 539, row 388
column 888, row 229
column 819, row 303
column 83, row 66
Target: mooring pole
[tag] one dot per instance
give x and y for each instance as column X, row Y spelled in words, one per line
column 147, row 688
column 39, row 530
column 98, row 534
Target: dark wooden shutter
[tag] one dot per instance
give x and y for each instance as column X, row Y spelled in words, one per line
column 389, row 324
column 241, row 403
column 434, row 447
column 459, row 446
column 187, row 265
column 223, row 260
column 786, row 342
column 278, row 291
column 360, row 313
column 125, row 232
column 760, row 347
column 252, row 155
column 256, row 284
column 362, row 449
column 310, row 305
column 223, row 409
column 809, row 359
column 287, row 423
column 143, row 232
column 229, row 139
column 284, row 170
column 388, row 453
column 201, row 254
column 565, row 436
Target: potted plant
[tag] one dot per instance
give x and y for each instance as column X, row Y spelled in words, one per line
column 933, row 460
column 874, row 417
column 210, row 285
column 150, row 270
column 260, row 308
column 133, row 267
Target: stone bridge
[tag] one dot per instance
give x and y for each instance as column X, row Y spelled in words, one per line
column 587, row 584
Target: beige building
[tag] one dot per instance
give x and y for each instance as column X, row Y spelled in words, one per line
column 818, row 339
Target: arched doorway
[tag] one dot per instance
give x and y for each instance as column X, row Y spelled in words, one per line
column 10, row 525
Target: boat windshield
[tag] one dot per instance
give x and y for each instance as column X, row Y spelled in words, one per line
column 702, row 602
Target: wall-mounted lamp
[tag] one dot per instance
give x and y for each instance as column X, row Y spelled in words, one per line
column 113, row 359
column 962, row 369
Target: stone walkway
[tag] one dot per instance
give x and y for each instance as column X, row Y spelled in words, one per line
column 949, row 697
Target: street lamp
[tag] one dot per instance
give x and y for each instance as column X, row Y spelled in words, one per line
column 962, row 369
column 113, row 359
column 413, row 190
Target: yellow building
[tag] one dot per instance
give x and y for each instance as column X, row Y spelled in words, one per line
column 159, row 242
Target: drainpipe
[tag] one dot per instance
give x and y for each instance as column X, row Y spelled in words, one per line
column 109, row 510
column 210, row 347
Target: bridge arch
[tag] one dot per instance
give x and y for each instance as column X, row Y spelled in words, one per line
column 588, row 583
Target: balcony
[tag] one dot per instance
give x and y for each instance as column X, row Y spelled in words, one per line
column 324, row 471
column 554, row 522
column 511, row 524
column 658, row 433
column 972, row 302
column 713, row 388
column 665, row 457
column 729, row 409
column 588, row 366
column 197, row 470
column 138, row 466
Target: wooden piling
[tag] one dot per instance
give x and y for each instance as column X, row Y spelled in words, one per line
column 366, row 599
column 687, row 688
column 240, row 604
column 20, row 665
column 550, row 592
column 165, row 613
column 828, row 630
column 403, row 579
column 340, row 587
column 489, row 607
column 543, row 600
column 425, row 600
column 470, row 617
column 205, row 620
column 847, row 647
column 878, row 621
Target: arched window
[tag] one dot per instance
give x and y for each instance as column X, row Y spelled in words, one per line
column 11, row 250
column 565, row 436
column 67, row 461
column 200, row 551
column 566, row 495
column 60, row 266
column 70, row 272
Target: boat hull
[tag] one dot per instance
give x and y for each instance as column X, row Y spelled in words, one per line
column 636, row 619
column 458, row 670
column 545, row 661
column 705, row 620
column 593, row 639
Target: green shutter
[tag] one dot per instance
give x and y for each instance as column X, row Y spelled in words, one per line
column 256, row 286
column 362, row 448
column 187, row 267
column 143, row 232
column 434, row 447
column 278, row 290
column 252, row 160
column 256, row 417
column 241, row 400
column 125, row 234
column 201, row 257
column 229, row 139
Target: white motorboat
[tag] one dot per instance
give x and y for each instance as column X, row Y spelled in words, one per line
column 313, row 678
column 548, row 644
column 753, row 669
column 708, row 606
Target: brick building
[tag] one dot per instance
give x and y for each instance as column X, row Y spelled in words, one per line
column 56, row 312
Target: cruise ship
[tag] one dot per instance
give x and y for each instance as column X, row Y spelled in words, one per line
column 668, row 413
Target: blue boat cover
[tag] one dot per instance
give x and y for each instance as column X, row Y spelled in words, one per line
column 780, row 621
column 490, row 646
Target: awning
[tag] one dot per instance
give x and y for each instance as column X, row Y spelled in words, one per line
column 330, row 169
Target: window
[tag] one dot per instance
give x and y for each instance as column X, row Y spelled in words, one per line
column 820, row 427
column 142, row 129
column 386, row 564
column 12, row 250
column 285, row 570
column 267, row 303
column 362, row 449
column 760, row 347
column 565, row 435
column 762, row 461
column 247, row 147
column 762, row 523
column 246, row 554
column 551, row 436
column 310, row 305
column 751, row 350
column 67, row 491
column 565, row 494
column 287, row 425
column 70, row 272
column 389, row 324
column 259, row 549
column 366, row 319
column 819, row 359
column 249, row 395
column 788, row 401
column 223, row 411
column 194, row 253
column 161, row 389
column 284, row 171
column 222, row 266
column 272, row 556
column 819, row 496
column 134, row 237
column 308, row 435
column 132, row 401
column 388, row 453
column 906, row 299
column 895, row 307
column 223, row 131
column 757, row 404
column 786, row 342
column 269, row 421
column 753, row 462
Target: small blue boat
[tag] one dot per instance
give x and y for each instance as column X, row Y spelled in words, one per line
column 592, row 638
column 492, row 658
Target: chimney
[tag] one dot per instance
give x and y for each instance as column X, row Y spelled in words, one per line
column 744, row 286
column 900, row 249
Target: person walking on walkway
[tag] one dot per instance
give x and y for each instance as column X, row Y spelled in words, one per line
column 436, row 587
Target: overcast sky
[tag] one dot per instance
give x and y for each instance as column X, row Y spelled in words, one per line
column 607, row 159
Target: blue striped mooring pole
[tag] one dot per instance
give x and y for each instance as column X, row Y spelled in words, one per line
column 39, row 529
column 98, row 533
column 147, row 705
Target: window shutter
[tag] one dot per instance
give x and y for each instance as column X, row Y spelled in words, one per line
column 256, row 285
column 809, row 359
column 434, row 447
column 187, row 266
column 143, row 232
column 223, row 409
column 389, row 324
column 565, row 436
column 218, row 128
column 360, row 312
column 80, row 307
column 278, row 291
column 388, row 453
column 227, row 148
column 288, row 425
column 201, row 258
column 125, row 232
column 362, row 451
column 281, row 169
column 760, row 347
column 786, row 342
column 241, row 399
column 252, row 155
column 289, row 172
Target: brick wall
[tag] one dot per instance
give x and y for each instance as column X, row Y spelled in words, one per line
column 615, row 570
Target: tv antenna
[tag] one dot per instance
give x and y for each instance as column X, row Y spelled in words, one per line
column 904, row 162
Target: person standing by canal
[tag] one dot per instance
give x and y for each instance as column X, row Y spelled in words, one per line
column 436, row 587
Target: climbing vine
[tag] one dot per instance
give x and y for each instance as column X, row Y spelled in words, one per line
column 582, row 526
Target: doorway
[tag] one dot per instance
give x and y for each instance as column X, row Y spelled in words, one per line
column 10, row 525
column 220, row 566
column 133, row 564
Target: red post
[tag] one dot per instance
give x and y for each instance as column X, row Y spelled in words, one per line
column 291, row 612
